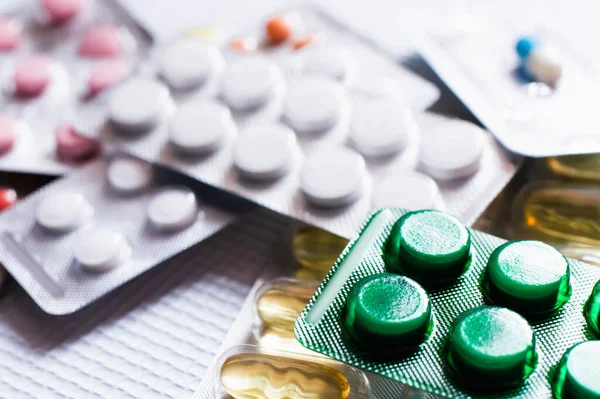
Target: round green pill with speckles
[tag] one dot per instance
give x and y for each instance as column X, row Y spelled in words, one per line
column 592, row 310
column 428, row 246
column 577, row 376
column 387, row 312
column 529, row 277
column 490, row 347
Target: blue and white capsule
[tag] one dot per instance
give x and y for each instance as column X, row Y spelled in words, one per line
column 541, row 63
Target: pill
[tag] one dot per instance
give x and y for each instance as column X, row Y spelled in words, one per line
column 106, row 74
column 278, row 29
column 333, row 62
column 540, row 62
column 250, row 82
column 304, row 41
column 409, row 190
column 282, row 300
column 527, row 276
column 9, row 128
column 314, row 104
column 244, row 44
column 280, row 340
column 264, row 375
column 387, row 313
column 375, row 88
column 333, row 177
column 59, row 11
column 579, row 167
column 189, row 63
column 452, row 150
column 129, row 175
column 306, row 274
column 63, row 211
column 490, row 347
column 72, row 146
column 592, row 310
column 138, row 104
column 380, row 129
column 428, row 246
column 200, row 126
column 100, row 250
column 317, row 249
column 8, row 197
column 264, row 152
column 173, row 209
column 577, row 375
column 33, row 76
column 10, row 33
column 102, row 41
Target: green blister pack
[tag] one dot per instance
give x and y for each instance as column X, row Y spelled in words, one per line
column 419, row 298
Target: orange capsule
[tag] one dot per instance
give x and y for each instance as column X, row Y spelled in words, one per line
column 278, row 29
column 244, row 44
column 304, row 41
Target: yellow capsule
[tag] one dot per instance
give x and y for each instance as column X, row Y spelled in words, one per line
column 282, row 301
column 306, row 274
column 317, row 249
column 281, row 340
column 584, row 167
column 267, row 376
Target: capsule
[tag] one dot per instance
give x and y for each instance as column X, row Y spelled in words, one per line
column 306, row 274
column 579, row 167
column 275, row 339
column 282, row 300
column 317, row 249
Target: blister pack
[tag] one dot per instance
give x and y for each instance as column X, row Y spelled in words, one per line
column 83, row 235
column 421, row 299
column 56, row 56
column 535, row 94
column 316, row 124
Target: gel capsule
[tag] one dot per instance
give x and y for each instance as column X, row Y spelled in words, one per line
column 592, row 310
column 386, row 312
column 262, row 375
column 317, row 249
column 577, row 376
column 490, row 348
column 428, row 246
column 527, row 276
column 579, row 167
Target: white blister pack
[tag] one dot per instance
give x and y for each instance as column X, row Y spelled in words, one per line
column 84, row 235
column 473, row 48
column 56, row 56
column 323, row 133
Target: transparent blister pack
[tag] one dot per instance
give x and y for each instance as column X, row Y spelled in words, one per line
column 536, row 97
column 84, row 235
column 324, row 132
column 55, row 57
column 479, row 316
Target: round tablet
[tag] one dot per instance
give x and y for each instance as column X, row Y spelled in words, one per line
column 264, row 151
column 138, row 104
column 129, row 175
column 250, row 82
column 101, row 41
column 201, row 126
column 33, row 76
column 314, row 104
column 527, row 276
column 8, row 197
column 333, row 177
column 578, row 373
column 173, row 209
column 10, row 33
column 336, row 63
column 8, row 133
column 190, row 62
column 409, row 190
column 380, row 129
column 59, row 11
column 592, row 310
column 73, row 147
column 452, row 150
column 428, row 246
column 106, row 74
column 491, row 347
column 386, row 312
column 63, row 211
column 100, row 250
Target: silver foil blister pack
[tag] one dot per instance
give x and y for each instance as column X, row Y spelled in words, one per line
column 370, row 96
column 107, row 231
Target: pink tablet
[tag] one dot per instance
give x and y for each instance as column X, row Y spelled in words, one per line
column 73, row 147
column 10, row 33
column 101, row 41
column 8, row 133
column 107, row 74
column 33, row 76
column 59, row 11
